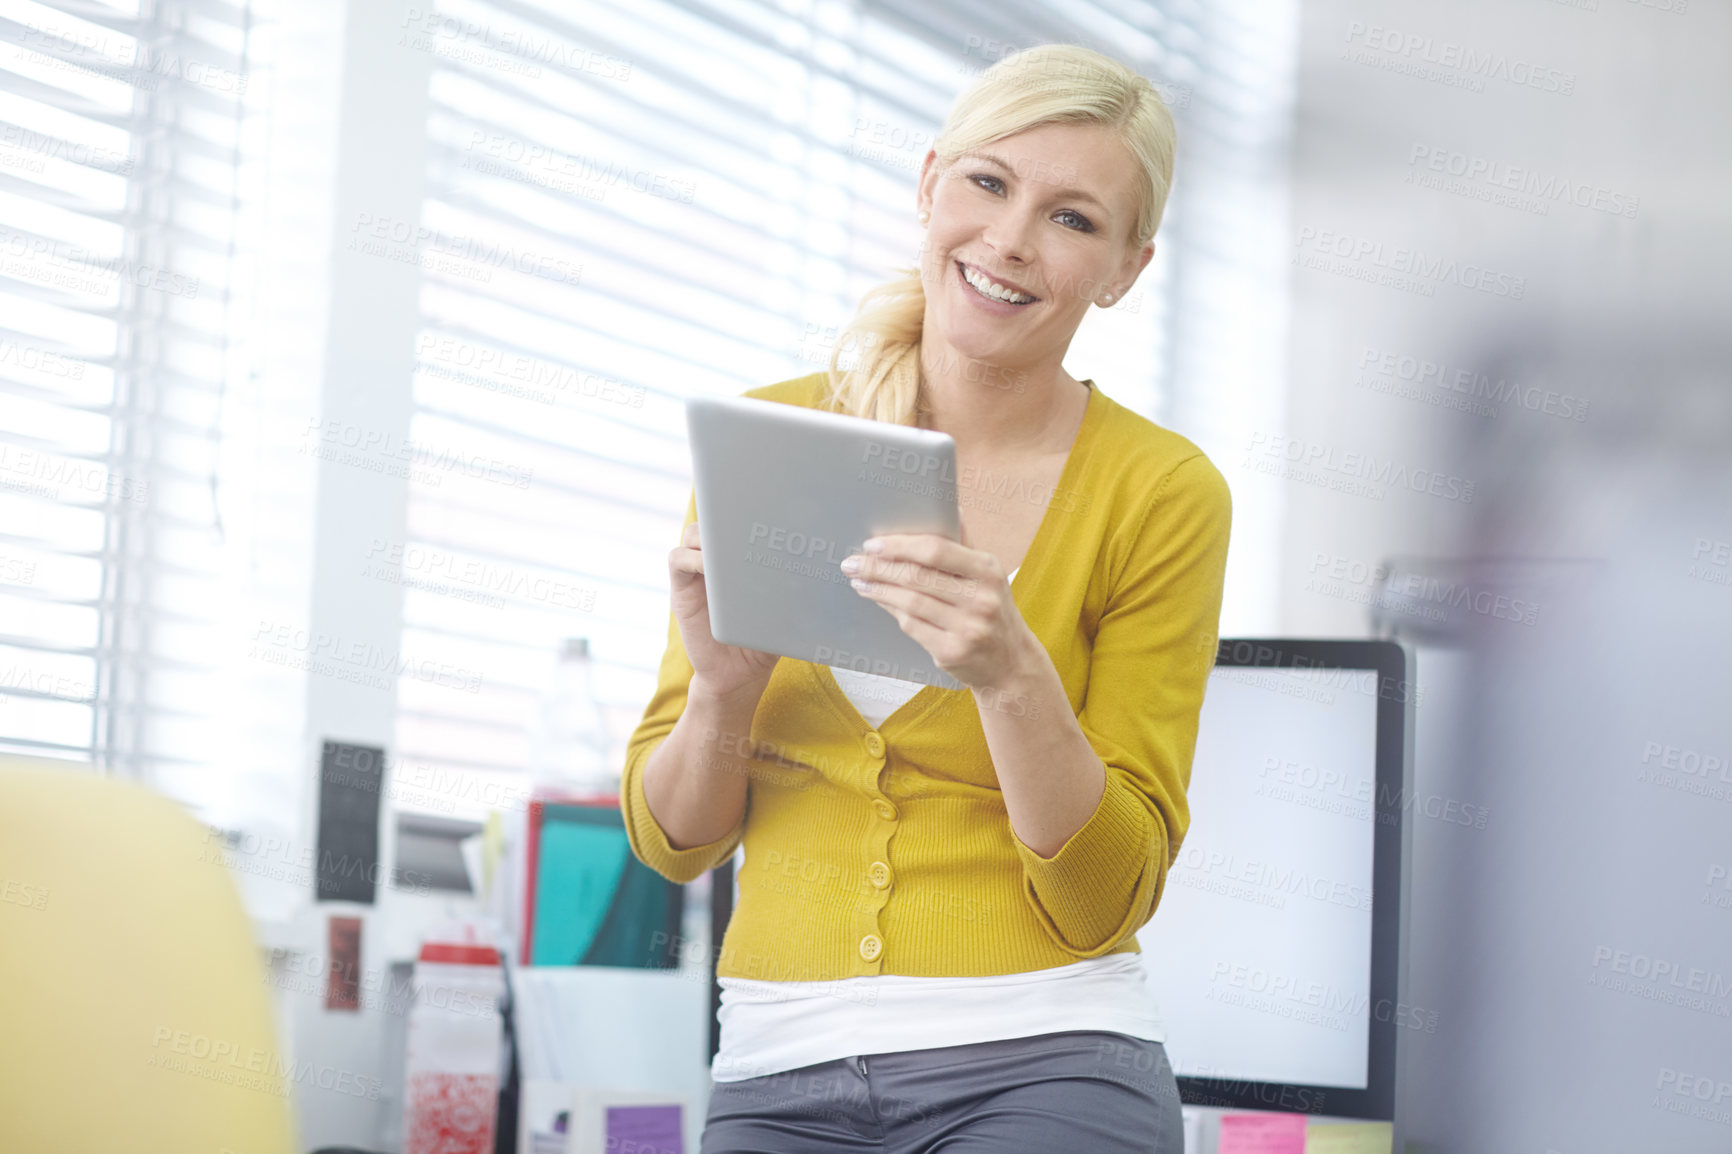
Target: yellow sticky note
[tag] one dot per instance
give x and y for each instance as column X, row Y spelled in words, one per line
column 1349, row 1138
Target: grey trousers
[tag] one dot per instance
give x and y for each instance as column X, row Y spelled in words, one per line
column 1073, row 1092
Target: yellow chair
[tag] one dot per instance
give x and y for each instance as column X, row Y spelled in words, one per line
column 134, row 1014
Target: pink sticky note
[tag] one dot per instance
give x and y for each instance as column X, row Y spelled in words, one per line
column 1262, row 1134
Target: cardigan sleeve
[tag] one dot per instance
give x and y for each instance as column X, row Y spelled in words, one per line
column 1153, row 649
column 648, row 842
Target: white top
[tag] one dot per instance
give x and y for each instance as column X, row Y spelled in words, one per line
column 878, row 697
column 771, row 1027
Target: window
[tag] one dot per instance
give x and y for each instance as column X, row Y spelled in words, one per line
column 124, row 188
column 625, row 206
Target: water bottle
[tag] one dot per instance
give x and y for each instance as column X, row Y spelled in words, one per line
column 455, row 1047
column 569, row 747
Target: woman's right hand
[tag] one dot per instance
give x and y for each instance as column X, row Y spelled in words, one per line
column 721, row 670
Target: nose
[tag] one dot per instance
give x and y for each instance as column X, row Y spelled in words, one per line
column 1010, row 234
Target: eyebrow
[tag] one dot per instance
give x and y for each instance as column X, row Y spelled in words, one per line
column 1073, row 193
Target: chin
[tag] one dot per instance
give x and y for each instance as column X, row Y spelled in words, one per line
column 980, row 346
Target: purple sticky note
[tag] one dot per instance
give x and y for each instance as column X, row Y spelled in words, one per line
column 656, row 1130
column 1262, row 1134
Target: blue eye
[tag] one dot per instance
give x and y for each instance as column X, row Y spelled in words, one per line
column 1083, row 224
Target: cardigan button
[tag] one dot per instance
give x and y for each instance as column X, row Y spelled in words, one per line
column 871, row 946
column 884, row 809
column 874, row 745
column 879, row 873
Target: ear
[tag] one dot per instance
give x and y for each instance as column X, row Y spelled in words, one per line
column 926, row 184
column 1134, row 265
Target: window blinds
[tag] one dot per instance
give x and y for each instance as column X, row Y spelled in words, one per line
column 121, row 208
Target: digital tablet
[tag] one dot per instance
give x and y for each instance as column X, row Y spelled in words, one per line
column 784, row 493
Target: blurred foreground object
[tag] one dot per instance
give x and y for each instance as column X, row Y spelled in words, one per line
column 132, row 993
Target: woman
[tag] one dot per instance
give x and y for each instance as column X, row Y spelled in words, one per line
column 934, row 943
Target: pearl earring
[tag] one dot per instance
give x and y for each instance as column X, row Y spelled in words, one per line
column 1109, row 298
column 925, row 216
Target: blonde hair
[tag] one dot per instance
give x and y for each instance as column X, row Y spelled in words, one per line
column 1045, row 84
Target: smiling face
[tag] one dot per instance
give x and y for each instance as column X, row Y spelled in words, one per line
column 1025, row 233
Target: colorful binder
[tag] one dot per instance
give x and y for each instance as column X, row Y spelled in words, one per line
column 588, row 900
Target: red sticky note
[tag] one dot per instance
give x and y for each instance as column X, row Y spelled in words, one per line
column 1262, row 1134
column 343, row 976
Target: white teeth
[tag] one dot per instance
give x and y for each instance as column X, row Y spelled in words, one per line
column 995, row 291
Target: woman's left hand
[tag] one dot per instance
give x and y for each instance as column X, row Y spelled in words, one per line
column 954, row 600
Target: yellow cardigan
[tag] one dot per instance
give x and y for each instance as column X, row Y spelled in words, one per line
column 890, row 851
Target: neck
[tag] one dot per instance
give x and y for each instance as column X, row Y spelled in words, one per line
column 996, row 411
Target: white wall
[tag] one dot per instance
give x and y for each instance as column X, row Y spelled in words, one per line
column 350, row 115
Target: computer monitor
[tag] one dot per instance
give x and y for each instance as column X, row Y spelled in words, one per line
column 1274, row 952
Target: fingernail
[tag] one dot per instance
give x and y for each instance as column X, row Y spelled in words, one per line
column 851, row 565
column 873, row 545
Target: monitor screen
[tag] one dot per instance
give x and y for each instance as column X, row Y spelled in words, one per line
column 1260, row 953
